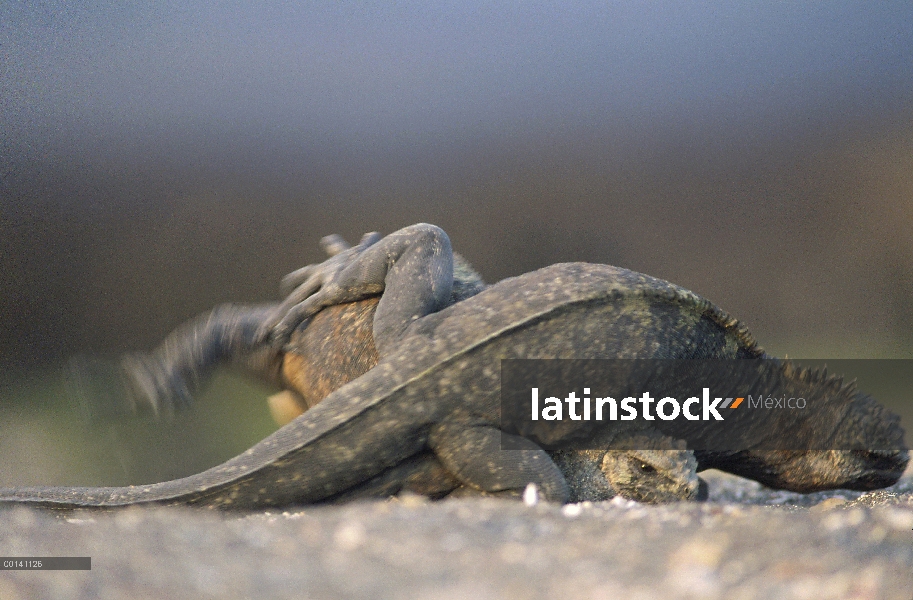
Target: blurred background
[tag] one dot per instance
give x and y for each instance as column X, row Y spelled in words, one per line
column 157, row 159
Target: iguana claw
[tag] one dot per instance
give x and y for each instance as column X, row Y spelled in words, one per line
column 316, row 286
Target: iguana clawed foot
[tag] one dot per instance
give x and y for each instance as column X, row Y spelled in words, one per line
column 412, row 268
column 316, row 286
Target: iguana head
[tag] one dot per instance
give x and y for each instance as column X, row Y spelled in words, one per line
column 816, row 470
column 869, row 452
column 645, row 466
column 877, row 453
column 854, row 443
column 653, row 475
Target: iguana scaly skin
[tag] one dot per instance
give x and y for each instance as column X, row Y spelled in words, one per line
column 435, row 388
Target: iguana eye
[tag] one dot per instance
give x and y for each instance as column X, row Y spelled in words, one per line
column 645, row 468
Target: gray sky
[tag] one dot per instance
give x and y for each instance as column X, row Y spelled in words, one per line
column 382, row 75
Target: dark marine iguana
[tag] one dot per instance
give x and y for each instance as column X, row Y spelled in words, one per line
column 435, row 387
column 336, row 346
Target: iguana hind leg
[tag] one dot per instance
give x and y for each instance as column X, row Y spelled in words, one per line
column 474, row 456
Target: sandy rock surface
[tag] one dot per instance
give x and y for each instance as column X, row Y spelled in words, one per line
column 746, row 542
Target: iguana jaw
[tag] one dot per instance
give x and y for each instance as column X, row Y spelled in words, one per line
column 865, row 469
column 814, row 470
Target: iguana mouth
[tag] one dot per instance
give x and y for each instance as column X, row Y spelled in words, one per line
column 882, row 468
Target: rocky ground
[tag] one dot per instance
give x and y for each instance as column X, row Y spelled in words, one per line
column 746, row 542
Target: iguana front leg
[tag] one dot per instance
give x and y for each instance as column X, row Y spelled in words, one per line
column 412, row 268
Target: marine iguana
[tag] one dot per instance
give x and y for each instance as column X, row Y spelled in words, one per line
column 336, row 346
column 435, row 387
